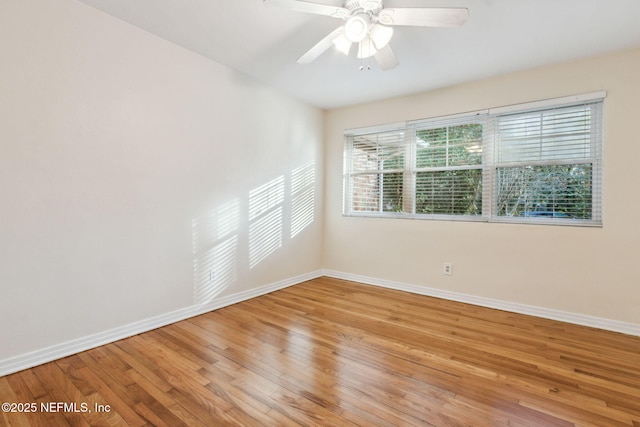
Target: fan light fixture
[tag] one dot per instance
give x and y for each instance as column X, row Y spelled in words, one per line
column 343, row 44
column 366, row 48
column 381, row 35
column 370, row 38
column 357, row 27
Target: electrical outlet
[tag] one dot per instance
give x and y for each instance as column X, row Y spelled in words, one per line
column 212, row 276
column 447, row 269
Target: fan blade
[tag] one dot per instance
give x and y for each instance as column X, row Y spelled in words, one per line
column 386, row 58
column 424, row 17
column 320, row 47
column 309, row 7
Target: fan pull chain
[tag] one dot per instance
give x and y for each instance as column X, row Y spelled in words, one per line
column 367, row 66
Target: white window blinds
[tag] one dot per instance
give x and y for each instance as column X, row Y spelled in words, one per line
column 548, row 164
column 518, row 163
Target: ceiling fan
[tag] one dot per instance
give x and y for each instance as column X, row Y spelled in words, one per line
column 368, row 24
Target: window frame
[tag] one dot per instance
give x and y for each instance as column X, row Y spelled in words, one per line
column 489, row 165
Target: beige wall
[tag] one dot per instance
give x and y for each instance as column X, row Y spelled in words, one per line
column 588, row 271
column 128, row 166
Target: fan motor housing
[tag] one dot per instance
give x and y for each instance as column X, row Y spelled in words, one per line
column 366, row 5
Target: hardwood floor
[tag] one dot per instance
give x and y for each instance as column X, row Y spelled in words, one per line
column 332, row 353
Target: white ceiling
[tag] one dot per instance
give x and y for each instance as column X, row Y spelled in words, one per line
column 500, row 36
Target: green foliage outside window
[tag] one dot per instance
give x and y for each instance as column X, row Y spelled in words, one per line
column 560, row 191
column 456, row 190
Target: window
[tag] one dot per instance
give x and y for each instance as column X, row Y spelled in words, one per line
column 448, row 168
column 538, row 162
column 545, row 161
column 377, row 161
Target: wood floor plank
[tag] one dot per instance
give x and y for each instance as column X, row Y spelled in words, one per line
column 9, row 417
column 162, row 398
column 118, row 399
column 339, row 353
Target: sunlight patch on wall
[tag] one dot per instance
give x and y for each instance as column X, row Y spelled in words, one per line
column 215, row 251
column 303, row 197
column 265, row 220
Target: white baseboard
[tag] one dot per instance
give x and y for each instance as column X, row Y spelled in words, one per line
column 61, row 350
column 38, row 357
column 563, row 316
